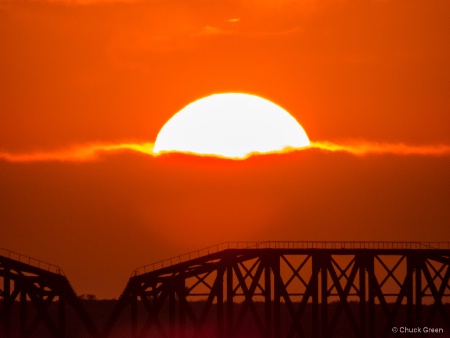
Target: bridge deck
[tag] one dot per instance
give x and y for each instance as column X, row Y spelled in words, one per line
column 302, row 245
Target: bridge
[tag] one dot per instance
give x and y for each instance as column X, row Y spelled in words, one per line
column 270, row 289
column 28, row 281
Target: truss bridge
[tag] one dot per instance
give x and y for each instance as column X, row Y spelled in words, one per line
column 290, row 289
column 34, row 297
column 257, row 289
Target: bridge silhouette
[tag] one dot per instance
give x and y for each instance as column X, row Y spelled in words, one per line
column 251, row 289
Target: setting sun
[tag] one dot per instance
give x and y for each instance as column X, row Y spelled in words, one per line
column 231, row 125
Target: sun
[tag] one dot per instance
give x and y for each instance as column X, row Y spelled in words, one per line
column 231, row 125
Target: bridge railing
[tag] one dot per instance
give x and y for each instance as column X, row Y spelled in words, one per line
column 31, row 261
column 288, row 245
column 194, row 254
column 354, row 245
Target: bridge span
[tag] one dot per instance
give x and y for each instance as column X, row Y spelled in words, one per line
column 34, row 296
column 258, row 289
column 291, row 289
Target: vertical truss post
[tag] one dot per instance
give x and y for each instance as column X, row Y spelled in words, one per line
column 230, row 301
column 62, row 316
column 363, row 304
column 370, row 259
column 23, row 312
column 276, row 294
column 324, row 302
column 172, row 310
column 362, row 294
column 134, row 319
column 317, row 265
column 7, row 302
column 220, row 321
column 182, row 307
column 419, row 293
column 268, row 298
column 410, row 266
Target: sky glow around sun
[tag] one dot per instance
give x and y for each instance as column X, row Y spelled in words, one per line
column 231, row 125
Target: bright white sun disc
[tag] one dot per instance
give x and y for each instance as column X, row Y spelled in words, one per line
column 231, row 125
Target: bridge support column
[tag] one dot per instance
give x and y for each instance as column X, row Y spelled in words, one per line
column 324, row 302
column 410, row 267
column 230, row 301
column 318, row 285
column 317, row 266
column 419, row 293
column 362, row 295
column 276, row 295
column 220, row 321
column 172, row 310
column 267, row 298
column 23, row 312
column 182, row 307
column 134, row 319
column 371, row 294
column 7, row 303
column 62, row 317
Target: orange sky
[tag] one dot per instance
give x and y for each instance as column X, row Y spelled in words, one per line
column 76, row 75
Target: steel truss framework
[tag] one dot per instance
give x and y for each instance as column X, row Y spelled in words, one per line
column 41, row 287
column 316, row 289
column 270, row 290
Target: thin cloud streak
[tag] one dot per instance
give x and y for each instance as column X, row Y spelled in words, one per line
column 77, row 154
column 92, row 152
column 374, row 148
